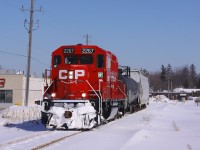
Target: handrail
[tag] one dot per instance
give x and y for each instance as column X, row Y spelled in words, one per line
column 100, row 112
column 48, row 88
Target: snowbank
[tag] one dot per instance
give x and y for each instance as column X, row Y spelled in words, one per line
column 20, row 114
column 159, row 98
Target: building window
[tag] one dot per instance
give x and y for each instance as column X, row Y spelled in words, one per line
column 6, row 96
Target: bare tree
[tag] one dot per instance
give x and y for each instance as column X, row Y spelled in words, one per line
column 185, row 77
column 198, row 82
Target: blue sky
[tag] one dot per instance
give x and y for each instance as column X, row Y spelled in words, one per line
column 142, row 33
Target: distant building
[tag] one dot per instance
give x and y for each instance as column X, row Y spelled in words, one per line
column 12, row 89
column 179, row 93
column 182, row 90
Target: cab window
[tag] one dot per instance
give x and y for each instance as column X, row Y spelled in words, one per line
column 100, row 61
column 86, row 59
column 71, row 60
column 57, row 60
column 79, row 59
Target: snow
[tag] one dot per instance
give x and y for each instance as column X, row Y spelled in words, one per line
column 165, row 124
column 20, row 114
column 179, row 90
column 82, row 117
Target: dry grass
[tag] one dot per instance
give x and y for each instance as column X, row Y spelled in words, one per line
column 176, row 128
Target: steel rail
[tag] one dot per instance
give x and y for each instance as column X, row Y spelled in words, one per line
column 54, row 141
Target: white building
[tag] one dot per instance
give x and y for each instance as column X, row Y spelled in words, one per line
column 12, row 89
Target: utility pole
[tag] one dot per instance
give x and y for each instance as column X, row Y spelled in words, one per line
column 87, row 38
column 29, row 50
column 171, row 90
column 168, row 84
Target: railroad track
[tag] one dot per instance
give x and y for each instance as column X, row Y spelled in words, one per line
column 55, row 141
column 49, row 143
column 38, row 141
column 23, row 139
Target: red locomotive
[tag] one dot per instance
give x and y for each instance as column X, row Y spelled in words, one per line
column 84, row 88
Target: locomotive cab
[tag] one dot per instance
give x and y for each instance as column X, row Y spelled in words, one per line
column 73, row 67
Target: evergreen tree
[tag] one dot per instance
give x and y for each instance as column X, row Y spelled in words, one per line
column 163, row 73
column 169, row 72
column 193, row 76
column 169, row 69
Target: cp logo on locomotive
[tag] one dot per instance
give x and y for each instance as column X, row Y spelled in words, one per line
column 77, row 74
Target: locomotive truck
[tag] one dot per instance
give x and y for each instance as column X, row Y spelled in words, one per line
column 87, row 87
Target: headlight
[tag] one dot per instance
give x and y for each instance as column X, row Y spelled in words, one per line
column 53, row 94
column 83, row 95
column 71, row 74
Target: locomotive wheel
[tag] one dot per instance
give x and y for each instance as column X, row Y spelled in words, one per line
column 106, row 110
column 122, row 110
column 132, row 109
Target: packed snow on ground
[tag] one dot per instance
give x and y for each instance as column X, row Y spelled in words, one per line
column 164, row 125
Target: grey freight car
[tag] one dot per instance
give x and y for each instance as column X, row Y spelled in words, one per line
column 143, row 83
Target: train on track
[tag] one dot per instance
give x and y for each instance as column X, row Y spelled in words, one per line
column 87, row 87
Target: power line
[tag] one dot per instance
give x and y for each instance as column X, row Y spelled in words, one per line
column 21, row 55
column 60, row 22
column 13, row 54
column 19, row 42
